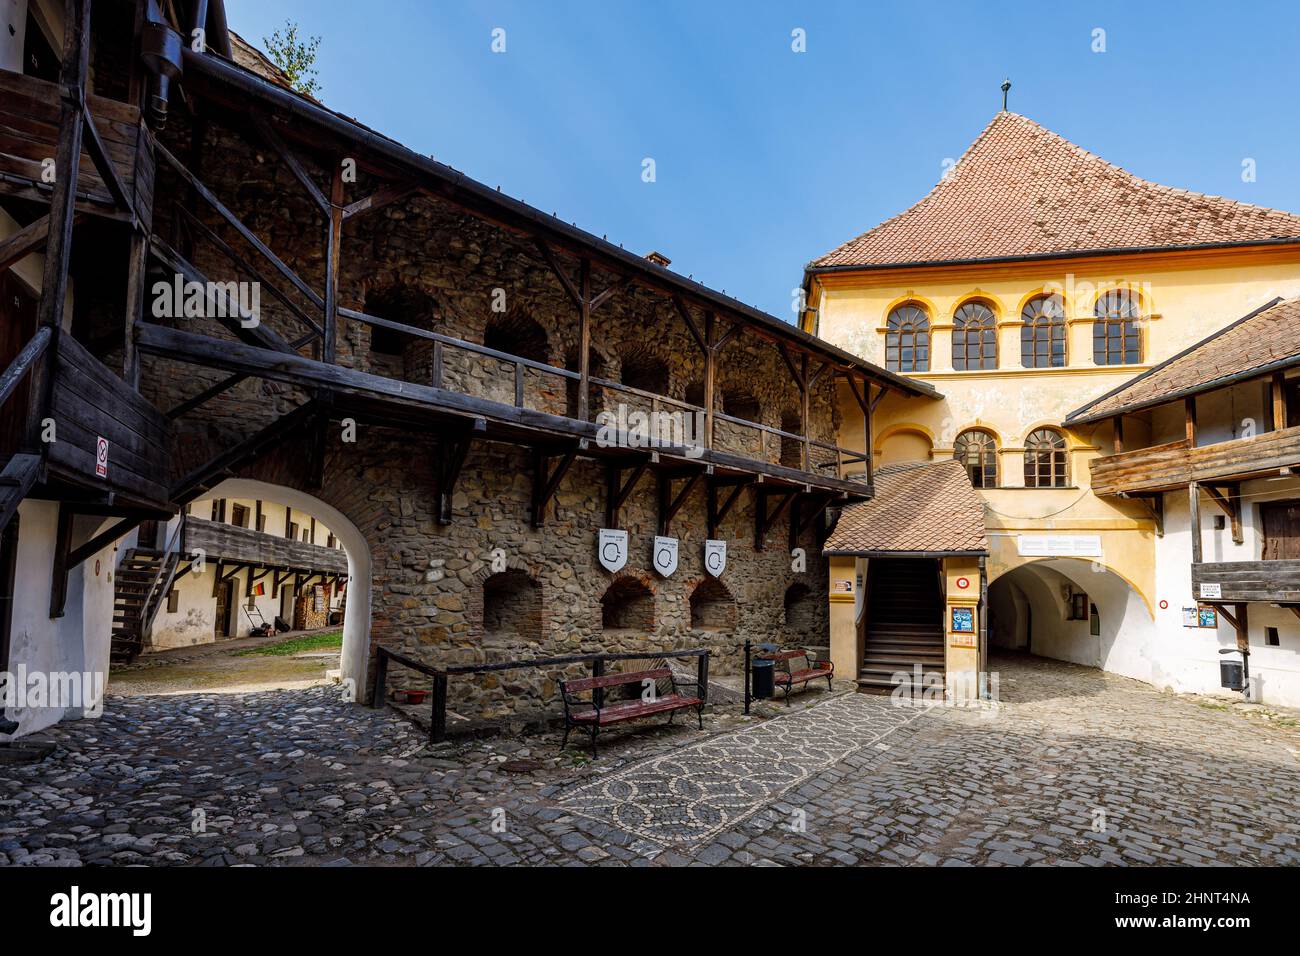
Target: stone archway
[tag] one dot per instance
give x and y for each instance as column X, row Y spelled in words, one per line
column 355, row 658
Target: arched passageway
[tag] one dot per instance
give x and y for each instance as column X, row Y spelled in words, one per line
column 1074, row 610
column 356, row 615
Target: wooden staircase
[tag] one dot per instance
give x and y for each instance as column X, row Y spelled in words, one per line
column 904, row 622
column 143, row 580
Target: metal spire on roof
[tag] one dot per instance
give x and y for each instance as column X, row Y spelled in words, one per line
column 1006, row 88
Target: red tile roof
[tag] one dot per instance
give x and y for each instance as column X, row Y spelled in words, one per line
column 1266, row 340
column 919, row 508
column 1022, row 191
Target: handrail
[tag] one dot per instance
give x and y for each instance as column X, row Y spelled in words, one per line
column 438, row 720
column 23, row 362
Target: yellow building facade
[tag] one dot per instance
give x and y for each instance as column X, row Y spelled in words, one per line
column 1049, row 541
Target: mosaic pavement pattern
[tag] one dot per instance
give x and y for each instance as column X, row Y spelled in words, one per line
column 695, row 793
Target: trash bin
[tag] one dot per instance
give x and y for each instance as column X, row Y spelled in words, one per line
column 762, row 679
column 1230, row 675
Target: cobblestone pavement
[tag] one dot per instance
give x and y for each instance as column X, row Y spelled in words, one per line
column 1075, row 767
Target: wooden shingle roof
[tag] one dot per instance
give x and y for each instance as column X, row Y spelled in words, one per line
column 920, row 508
column 1021, row 191
column 1264, row 341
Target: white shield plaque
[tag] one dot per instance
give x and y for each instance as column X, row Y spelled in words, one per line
column 611, row 549
column 715, row 557
column 665, row 556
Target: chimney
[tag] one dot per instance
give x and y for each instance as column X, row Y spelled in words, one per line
column 659, row 259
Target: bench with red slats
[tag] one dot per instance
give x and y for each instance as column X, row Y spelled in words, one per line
column 594, row 713
column 814, row 671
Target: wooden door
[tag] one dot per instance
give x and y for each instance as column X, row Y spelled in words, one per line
column 1280, row 521
column 17, row 326
column 225, row 598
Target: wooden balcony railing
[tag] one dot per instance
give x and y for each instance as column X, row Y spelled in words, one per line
column 523, row 383
column 235, row 545
column 1272, row 581
column 1172, row 466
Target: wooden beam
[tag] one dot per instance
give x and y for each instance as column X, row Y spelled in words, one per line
column 718, row 511
column 670, row 504
column 549, row 256
column 30, row 238
column 452, row 454
column 584, row 341
column 333, row 246
column 1194, row 503
column 763, row 520
column 710, row 376
column 618, row 491
column 620, row 286
column 547, row 481
column 1277, row 388
column 59, row 573
column 24, row 362
column 205, row 396
column 1229, row 501
column 691, row 324
column 384, row 196
column 107, row 171
column 272, row 139
column 1118, row 422
column 1189, row 419
column 221, row 466
column 234, row 222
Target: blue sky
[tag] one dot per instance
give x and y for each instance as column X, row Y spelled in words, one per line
column 766, row 158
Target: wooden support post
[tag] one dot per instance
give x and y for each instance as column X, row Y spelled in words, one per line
column 670, row 505
column 1228, row 498
column 584, row 341
column 546, row 481
column 710, row 375
column 62, row 549
column 137, row 270
column 868, row 439
column 617, row 491
column 446, row 473
column 1243, row 628
column 1194, row 503
column 1189, row 416
column 805, row 412
column 334, row 241
column 1119, row 433
column 1278, row 403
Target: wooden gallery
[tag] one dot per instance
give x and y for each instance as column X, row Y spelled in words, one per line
column 431, row 369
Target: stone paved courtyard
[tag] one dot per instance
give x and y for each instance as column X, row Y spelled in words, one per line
column 1075, row 767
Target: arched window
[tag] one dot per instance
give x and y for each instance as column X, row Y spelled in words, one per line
column 1045, row 459
column 1042, row 337
column 628, row 605
column 907, row 340
column 977, row 450
column 643, row 370
column 741, row 403
column 398, row 354
column 518, row 335
column 974, row 338
column 512, row 606
column 1116, row 337
column 712, row 607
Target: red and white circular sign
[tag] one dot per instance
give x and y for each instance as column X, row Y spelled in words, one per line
column 1164, row 605
column 963, row 583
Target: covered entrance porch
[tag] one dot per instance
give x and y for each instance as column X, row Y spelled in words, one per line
column 907, row 584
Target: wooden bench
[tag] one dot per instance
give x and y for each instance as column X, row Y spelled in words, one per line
column 594, row 713
column 813, row 671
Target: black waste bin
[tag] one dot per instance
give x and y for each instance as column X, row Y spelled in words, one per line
column 1230, row 675
column 762, row 680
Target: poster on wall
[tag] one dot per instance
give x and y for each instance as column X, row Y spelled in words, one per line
column 611, row 548
column 1208, row 617
column 715, row 557
column 963, row 620
column 665, row 556
column 1190, row 617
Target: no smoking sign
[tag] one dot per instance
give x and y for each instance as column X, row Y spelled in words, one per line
column 101, row 457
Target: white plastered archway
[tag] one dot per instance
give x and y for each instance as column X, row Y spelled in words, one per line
column 356, row 615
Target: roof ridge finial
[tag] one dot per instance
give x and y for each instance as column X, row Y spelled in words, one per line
column 1006, row 88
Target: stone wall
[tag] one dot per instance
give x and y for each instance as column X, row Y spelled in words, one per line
column 439, row 591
